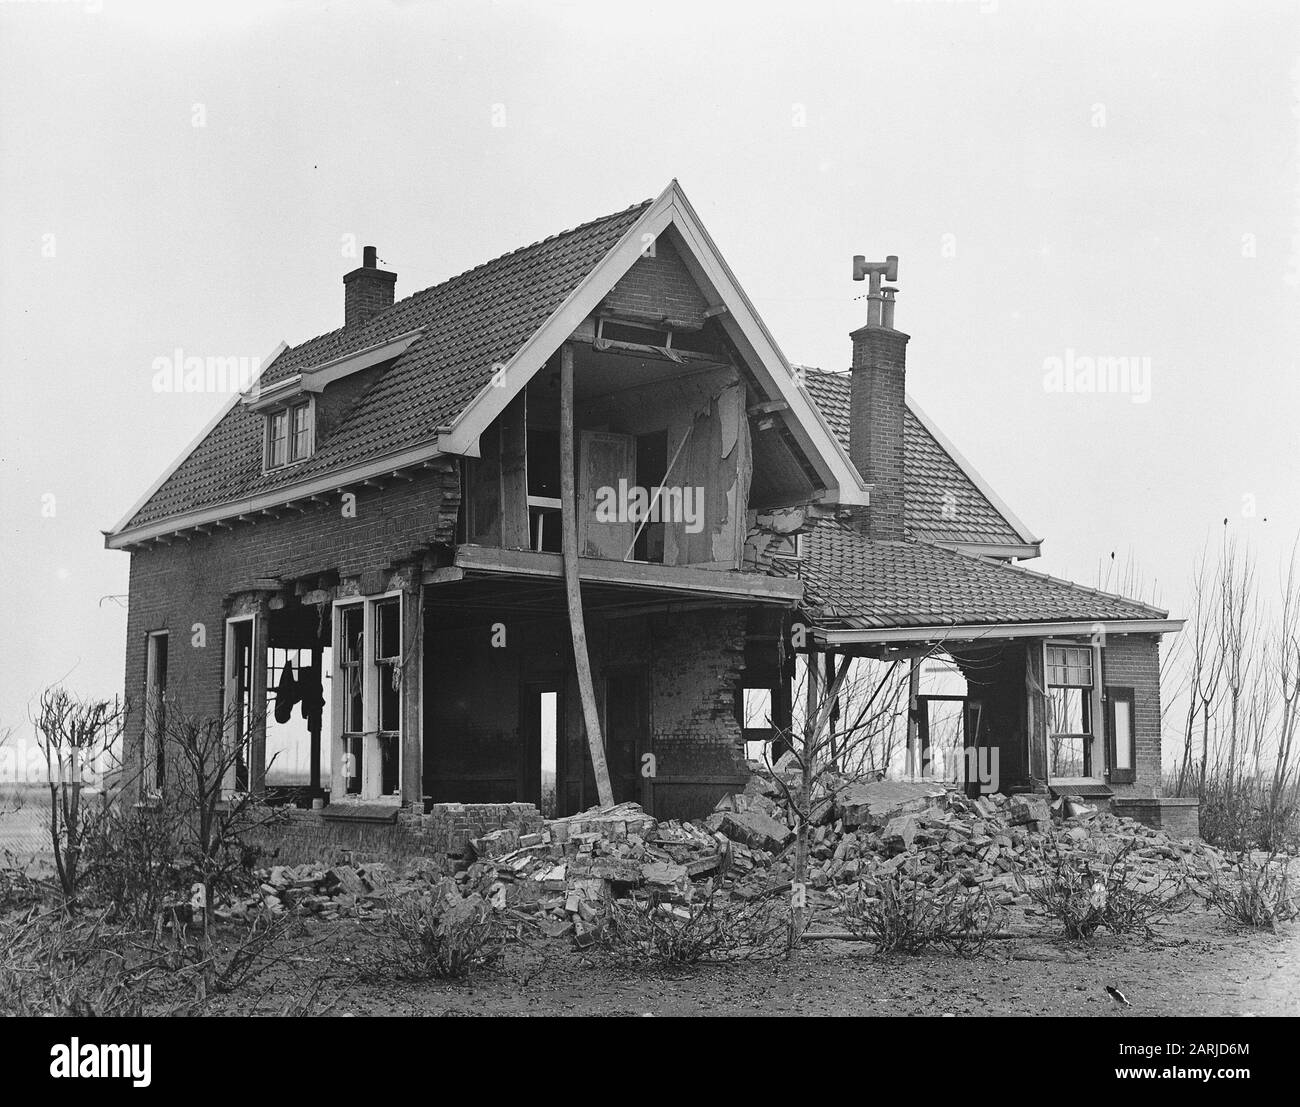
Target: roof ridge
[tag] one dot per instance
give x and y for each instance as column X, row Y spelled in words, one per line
column 421, row 292
column 530, row 246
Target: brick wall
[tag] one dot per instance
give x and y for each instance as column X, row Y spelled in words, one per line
column 474, row 737
column 366, row 292
column 183, row 588
column 1133, row 661
column 659, row 286
column 444, row 832
column 877, row 402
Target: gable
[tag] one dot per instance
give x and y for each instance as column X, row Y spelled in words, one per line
column 494, row 325
column 470, row 323
column 945, row 502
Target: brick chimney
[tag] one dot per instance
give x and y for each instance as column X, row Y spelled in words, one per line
column 366, row 291
column 877, row 400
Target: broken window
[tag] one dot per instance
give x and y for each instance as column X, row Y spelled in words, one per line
column 544, row 489
column 1069, row 710
column 756, row 720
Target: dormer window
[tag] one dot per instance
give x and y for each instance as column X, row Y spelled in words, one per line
column 289, row 434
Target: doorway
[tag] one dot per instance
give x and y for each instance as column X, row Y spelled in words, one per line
column 543, row 716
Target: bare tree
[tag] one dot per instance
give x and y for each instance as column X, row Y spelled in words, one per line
column 75, row 736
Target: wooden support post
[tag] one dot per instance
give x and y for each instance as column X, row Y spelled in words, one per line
column 257, row 699
column 572, row 588
column 834, row 717
column 914, row 765
column 412, row 674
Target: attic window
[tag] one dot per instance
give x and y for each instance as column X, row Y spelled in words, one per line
column 787, row 547
column 637, row 335
column 289, row 434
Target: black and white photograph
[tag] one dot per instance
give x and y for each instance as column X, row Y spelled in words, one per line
column 557, row 508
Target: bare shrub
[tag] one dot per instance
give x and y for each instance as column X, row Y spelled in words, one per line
column 54, row 965
column 1111, row 895
column 648, row 929
column 437, row 935
column 76, row 737
column 907, row 916
column 1257, row 893
column 18, row 890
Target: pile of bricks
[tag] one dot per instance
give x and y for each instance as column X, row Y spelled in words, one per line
column 558, row 874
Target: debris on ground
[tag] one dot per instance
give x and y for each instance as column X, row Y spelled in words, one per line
column 558, row 880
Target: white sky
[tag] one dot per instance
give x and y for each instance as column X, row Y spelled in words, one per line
column 922, row 120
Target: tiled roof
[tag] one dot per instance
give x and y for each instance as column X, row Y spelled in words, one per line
column 471, row 322
column 851, row 581
column 942, row 503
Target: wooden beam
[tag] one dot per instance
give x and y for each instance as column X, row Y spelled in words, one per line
column 751, row 587
column 572, row 589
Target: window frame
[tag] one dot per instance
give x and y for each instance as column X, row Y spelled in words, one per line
column 288, row 412
column 1121, row 694
column 372, row 669
column 1090, row 692
column 153, row 756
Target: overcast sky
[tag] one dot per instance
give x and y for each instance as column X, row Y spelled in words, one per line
column 1060, row 181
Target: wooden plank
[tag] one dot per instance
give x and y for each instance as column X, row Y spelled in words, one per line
column 514, row 475
column 572, row 589
column 748, row 586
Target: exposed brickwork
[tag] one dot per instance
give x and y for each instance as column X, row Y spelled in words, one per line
column 659, row 286
column 1133, row 661
column 877, row 405
column 366, row 292
column 443, row 833
column 1180, row 818
column 184, row 588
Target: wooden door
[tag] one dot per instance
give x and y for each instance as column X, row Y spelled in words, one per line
column 605, row 460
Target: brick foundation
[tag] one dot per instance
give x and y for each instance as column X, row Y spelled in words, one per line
column 443, row 833
column 1178, row 816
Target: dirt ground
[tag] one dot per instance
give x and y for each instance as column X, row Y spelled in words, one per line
column 1197, row 965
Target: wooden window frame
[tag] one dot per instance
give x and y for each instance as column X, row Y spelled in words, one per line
column 1125, row 694
column 292, row 455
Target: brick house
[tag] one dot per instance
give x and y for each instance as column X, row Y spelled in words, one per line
column 359, row 563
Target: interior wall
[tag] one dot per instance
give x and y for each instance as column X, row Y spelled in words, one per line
column 689, row 665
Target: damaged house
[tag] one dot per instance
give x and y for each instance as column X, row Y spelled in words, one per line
column 367, row 564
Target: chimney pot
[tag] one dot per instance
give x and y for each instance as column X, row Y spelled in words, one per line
column 369, row 257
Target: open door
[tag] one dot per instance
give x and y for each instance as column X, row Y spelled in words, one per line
column 975, row 739
column 543, row 747
column 627, row 731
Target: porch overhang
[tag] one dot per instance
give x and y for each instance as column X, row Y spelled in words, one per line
column 850, row 637
column 673, row 581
